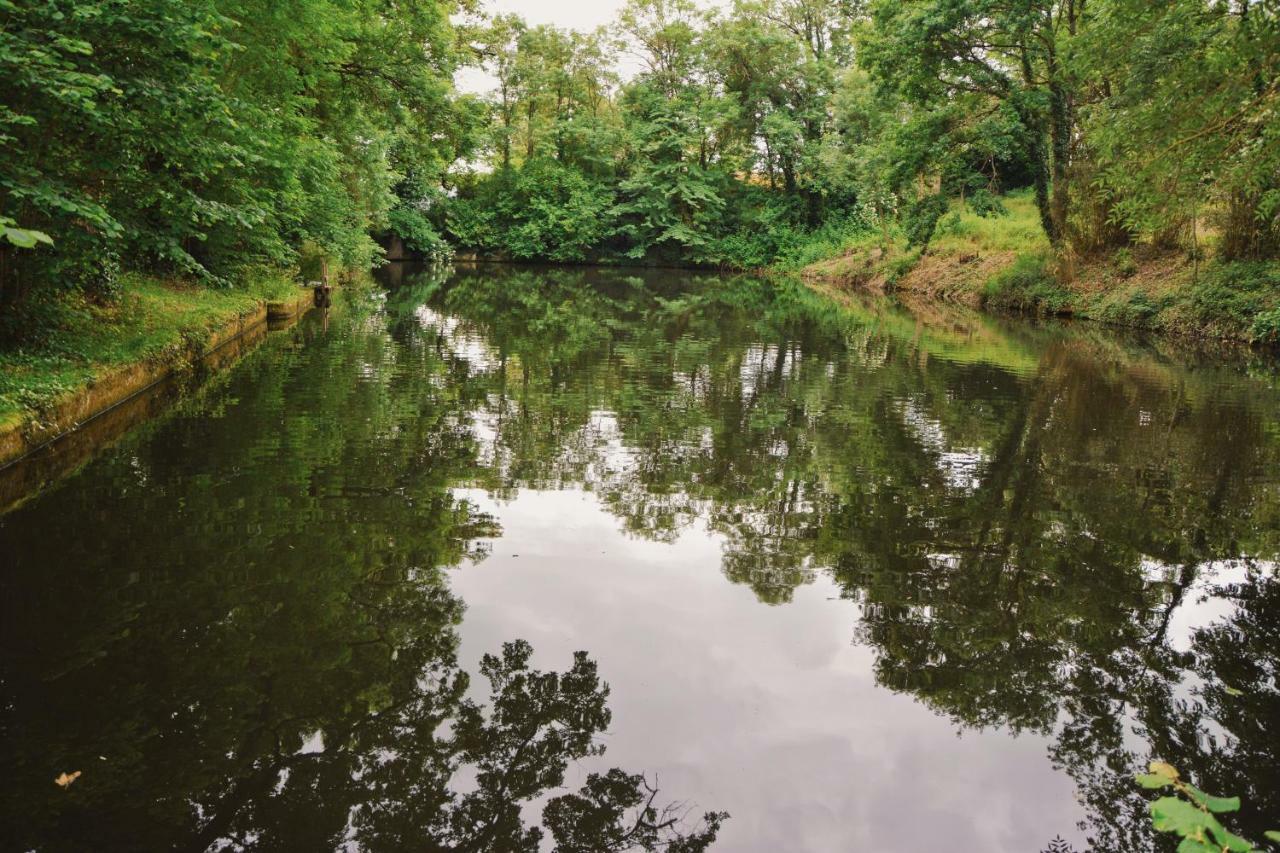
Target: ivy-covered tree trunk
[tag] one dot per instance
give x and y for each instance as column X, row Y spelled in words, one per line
column 1060, row 149
column 1037, row 152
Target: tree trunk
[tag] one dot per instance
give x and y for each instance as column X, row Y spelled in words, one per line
column 1060, row 143
column 1036, row 152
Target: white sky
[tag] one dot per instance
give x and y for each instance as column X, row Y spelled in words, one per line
column 582, row 15
column 567, row 14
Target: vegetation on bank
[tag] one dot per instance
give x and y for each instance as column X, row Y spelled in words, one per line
column 1006, row 263
column 1134, row 136
column 151, row 320
column 1238, row 300
column 204, row 139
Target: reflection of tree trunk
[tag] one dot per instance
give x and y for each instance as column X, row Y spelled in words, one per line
column 1168, row 436
column 1001, row 469
column 1187, row 575
column 257, row 783
column 779, row 362
column 1017, row 460
column 1200, row 555
column 524, row 390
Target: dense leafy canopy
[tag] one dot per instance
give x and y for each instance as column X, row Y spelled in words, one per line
column 202, row 137
column 749, row 127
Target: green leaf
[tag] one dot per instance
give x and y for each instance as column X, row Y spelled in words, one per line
column 1231, row 691
column 1272, row 834
column 1170, row 814
column 1192, row 845
column 1152, row 781
column 1229, row 839
column 1213, row 804
column 26, row 238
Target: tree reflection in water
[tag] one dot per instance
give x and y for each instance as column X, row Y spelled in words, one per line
column 1021, row 516
column 255, row 602
column 250, row 641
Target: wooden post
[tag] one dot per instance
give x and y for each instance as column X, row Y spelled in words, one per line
column 322, row 289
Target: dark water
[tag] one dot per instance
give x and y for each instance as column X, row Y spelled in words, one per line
column 862, row 579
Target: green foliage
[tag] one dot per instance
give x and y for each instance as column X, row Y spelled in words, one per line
column 715, row 154
column 23, row 238
column 1241, row 295
column 986, row 203
column 921, row 219
column 1124, row 264
column 412, row 218
column 1140, row 309
column 1026, row 285
column 797, row 247
column 203, row 137
column 1266, row 327
column 1167, row 159
column 200, row 138
column 1192, row 815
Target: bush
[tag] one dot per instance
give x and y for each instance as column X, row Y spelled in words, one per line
column 921, row 219
column 1238, row 296
column 1124, row 263
column 1266, row 328
column 1027, row 285
column 544, row 210
column 1139, row 309
column 986, row 203
column 952, row 225
column 832, row 238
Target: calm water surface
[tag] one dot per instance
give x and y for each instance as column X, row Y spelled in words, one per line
column 863, row 579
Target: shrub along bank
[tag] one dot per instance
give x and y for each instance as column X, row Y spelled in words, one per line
column 1004, row 262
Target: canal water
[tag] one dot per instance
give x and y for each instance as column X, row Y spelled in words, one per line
column 862, row 577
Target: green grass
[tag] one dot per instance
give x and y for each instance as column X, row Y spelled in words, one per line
column 153, row 320
column 960, row 233
column 1239, row 300
column 1132, row 286
column 1028, row 286
column 1017, row 230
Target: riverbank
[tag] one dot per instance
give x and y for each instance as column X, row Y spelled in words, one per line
column 1004, row 263
column 101, row 355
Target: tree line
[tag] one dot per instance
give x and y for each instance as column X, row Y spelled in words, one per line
column 200, row 138
column 750, row 128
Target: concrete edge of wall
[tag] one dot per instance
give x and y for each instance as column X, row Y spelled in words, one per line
column 119, row 384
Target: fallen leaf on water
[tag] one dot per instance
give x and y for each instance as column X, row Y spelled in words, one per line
column 65, row 779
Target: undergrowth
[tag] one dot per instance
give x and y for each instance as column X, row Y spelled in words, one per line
column 149, row 320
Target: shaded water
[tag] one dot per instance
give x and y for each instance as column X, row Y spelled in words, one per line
column 862, row 579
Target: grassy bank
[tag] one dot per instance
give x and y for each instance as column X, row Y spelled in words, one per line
column 1004, row 263
column 152, row 321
